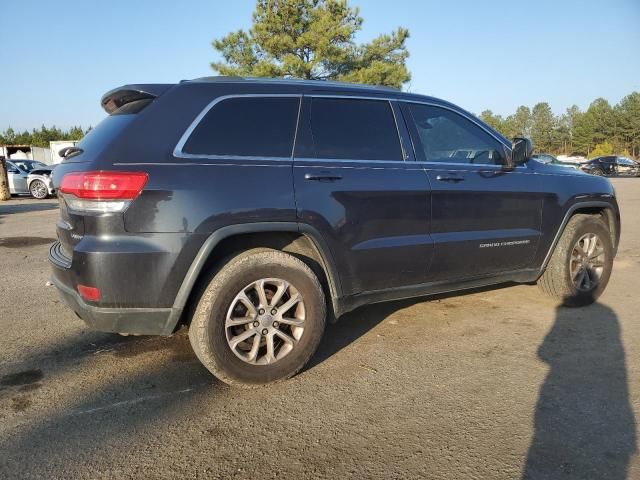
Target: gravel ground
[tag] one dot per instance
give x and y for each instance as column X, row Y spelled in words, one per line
column 498, row 383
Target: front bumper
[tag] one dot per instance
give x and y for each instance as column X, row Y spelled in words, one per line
column 49, row 183
column 138, row 321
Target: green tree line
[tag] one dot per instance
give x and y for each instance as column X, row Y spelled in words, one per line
column 41, row 137
column 601, row 129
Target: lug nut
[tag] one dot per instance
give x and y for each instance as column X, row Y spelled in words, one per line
column 274, row 311
column 264, row 331
column 261, row 311
column 275, row 324
column 256, row 324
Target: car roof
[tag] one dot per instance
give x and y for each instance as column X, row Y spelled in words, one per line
column 320, row 85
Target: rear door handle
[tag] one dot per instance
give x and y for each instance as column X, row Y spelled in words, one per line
column 450, row 178
column 322, row 177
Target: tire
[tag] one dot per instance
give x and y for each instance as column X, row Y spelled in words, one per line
column 211, row 335
column 557, row 281
column 598, row 172
column 38, row 190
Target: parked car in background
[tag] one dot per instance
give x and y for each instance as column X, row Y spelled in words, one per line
column 612, row 165
column 551, row 160
column 30, row 177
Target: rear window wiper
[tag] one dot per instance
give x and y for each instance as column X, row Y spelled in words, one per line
column 68, row 152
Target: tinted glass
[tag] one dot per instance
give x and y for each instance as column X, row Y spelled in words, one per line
column 354, row 129
column 102, row 134
column 28, row 165
column 247, row 126
column 448, row 137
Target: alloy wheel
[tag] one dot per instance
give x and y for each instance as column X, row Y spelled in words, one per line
column 38, row 189
column 586, row 263
column 265, row 321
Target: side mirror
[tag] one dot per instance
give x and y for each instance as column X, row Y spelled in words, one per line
column 521, row 150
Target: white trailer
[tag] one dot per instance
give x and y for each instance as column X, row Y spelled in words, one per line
column 26, row 152
column 58, row 145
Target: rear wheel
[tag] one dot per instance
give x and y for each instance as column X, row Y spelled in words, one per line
column 579, row 269
column 38, row 189
column 260, row 319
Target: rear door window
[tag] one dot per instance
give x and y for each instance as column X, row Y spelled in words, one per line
column 246, row 127
column 354, row 129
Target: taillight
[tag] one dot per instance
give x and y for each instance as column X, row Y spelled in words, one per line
column 101, row 192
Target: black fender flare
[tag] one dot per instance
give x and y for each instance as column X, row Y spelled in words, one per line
column 567, row 216
column 216, row 237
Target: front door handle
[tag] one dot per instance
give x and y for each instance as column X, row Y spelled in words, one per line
column 450, row 178
column 322, row 177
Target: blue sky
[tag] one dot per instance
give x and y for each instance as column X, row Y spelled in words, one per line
column 62, row 56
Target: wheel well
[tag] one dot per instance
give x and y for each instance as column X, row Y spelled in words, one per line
column 294, row 243
column 607, row 216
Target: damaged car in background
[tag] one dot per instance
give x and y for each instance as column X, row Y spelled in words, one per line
column 30, row 177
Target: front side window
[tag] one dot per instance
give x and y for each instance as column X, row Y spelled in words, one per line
column 354, row 129
column 246, row 127
column 445, row 136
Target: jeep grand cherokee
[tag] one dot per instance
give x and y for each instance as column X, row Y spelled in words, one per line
column 253, row 210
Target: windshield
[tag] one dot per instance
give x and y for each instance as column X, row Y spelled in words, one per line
column 28, row 165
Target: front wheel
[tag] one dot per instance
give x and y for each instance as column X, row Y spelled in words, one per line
column 38, row 189
column 581, row 264
column 260, row 319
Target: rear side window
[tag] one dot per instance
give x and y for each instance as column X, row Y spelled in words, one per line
column 448, row 137
column 353, row 129
column 246, row 127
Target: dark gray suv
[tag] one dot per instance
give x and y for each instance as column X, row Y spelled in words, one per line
column 253, row 210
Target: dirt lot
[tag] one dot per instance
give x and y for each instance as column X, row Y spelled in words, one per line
column 494, row 384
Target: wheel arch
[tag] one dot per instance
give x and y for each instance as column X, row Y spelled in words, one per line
column 300, row 240
column 606, row 210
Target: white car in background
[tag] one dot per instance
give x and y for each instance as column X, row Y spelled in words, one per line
column 29, row 177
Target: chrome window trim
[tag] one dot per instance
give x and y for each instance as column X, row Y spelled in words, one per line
column 306, row 162
column 463, row 115
column 178, row 153
column 489, row 166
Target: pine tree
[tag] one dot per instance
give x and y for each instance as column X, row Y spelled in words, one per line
column 312, row 39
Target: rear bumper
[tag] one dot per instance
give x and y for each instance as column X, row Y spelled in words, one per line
column 140, row 321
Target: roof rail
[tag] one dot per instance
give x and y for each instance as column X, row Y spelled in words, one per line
column 296, row 81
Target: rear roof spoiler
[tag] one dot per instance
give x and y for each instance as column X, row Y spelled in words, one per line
column 116, row 98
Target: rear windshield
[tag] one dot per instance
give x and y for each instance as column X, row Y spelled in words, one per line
column 104, row 132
